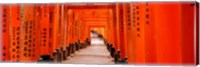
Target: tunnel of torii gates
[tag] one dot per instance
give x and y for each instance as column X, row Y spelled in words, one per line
column 143, row 32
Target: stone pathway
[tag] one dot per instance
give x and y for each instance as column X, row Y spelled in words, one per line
column 94, row 54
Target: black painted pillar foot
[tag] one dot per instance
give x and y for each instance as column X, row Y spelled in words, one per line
column 117, row 57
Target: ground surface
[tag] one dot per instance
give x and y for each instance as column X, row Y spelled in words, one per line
column 94, row 54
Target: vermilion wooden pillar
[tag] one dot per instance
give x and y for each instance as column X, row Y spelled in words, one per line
column 72, row 27
column 70, row 15
column 15, row 32
column 188, row 36
column 65, row 20
column 44, row 29
column 149, row 33
column 62, row 26
column 36, row 27
column 126, row 20
column 82, row 31
column 75, row 26
column 5, row 26
column 110, row 21
column 168, row 33
column 139, row 24
column 118, row 21
column 197, row 33
column 55, row 22
column 114, row 12
column 27, row 33
column 131, row 35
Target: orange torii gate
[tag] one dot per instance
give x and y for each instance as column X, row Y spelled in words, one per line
column 143, row 32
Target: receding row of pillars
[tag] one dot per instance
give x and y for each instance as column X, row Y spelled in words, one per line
column 61, row 54
column 116, row 55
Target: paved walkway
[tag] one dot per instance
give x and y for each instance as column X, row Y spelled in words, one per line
column 94, row 54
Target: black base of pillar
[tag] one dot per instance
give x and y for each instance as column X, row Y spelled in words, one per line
column 45, row 58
